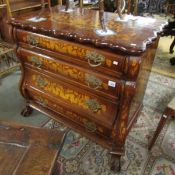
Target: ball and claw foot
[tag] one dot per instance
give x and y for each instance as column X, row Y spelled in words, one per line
column 115, row 164
column 26, row 111
column 172, row 61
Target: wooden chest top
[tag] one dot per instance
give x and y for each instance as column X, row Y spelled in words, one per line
column 131, row 37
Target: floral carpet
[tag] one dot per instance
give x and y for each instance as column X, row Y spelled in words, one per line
column 81, row 156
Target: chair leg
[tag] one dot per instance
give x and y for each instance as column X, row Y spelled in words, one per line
column 158, row 130
column 172, row 61
column 172, row 46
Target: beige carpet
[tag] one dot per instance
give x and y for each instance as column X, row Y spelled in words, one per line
column 161, row 63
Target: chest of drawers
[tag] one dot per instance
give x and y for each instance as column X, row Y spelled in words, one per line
column 93, row 84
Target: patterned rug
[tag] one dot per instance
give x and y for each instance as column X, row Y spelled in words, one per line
column 81, row 156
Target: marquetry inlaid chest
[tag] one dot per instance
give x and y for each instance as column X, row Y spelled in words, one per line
column 92, row 83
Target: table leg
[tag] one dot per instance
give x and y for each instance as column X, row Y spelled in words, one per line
column 172, row 61
column 158, row 130
column 172, row 46
column 55, row 171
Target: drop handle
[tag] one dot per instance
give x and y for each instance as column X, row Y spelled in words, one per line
column 90, row 126
column 40, row 81
column 95, row 59
column 36, row 61
column 42, row 101
column 93, row 105
column 93, row 82
column 32, row 40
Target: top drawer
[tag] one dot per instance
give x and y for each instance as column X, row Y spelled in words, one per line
column 87, row 56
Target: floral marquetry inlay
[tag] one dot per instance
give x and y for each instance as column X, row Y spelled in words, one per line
column 89, row 125
column 66, row 70
column 69, row 49
column 80, row 20
column 67, row 94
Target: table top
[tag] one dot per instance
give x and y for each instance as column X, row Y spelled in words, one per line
column 83, row 26
column 28, row 150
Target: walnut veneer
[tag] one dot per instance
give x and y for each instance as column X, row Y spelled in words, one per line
column 28, row 150
column 93, row 84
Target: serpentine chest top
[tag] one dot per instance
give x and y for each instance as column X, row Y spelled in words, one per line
column 93, row 83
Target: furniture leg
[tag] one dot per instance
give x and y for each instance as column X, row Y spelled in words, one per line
column 26, row 111
column 172, row 46
column 115, row 163
column 172, row 61
column 55, row 170
column 158, row 130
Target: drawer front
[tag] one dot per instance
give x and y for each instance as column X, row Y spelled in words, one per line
column 51, row 104
column 106, row 86
column 94, row 107
column 91, row 57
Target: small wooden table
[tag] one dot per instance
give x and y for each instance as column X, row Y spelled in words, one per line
column 28, row 150
column 169, row 112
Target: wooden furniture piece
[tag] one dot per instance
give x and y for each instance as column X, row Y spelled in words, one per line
column 132, row 7
column 94, row 84
column 8, row 60
column 15, row 7
column 28, row 150
column 169, row 112
column 171, row 9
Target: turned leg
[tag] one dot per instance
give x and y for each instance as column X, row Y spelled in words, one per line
column 26, row 111
column 55, row 171
column 158, row 130
column 115, row 163
column 172, row 61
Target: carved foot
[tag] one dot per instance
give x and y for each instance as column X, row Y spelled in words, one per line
column 171, row 51
column 115, row 163
column 26, row 111
column 172, row 46
column 172, row 61
column 55, row 170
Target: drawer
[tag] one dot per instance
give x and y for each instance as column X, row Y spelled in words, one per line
column 97, row 83
column 83, row 102
column 44, row 100
column 103, row 61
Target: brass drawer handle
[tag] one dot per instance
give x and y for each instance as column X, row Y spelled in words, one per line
column 41, row 82
column 36, row 62
column 92, row 81
column 93, row 105
column 90, row 126
column 32, row 40
column 42, row 101
column 95, row 58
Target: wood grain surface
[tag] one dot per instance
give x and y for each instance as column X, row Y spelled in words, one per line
column 93, row 84
column 28, row 150
column 80, row 25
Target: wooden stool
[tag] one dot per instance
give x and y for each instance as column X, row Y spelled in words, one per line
column 169, row 111
column 28, row 150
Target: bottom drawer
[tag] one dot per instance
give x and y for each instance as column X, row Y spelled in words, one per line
column 50, row 103
column 94, row 107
